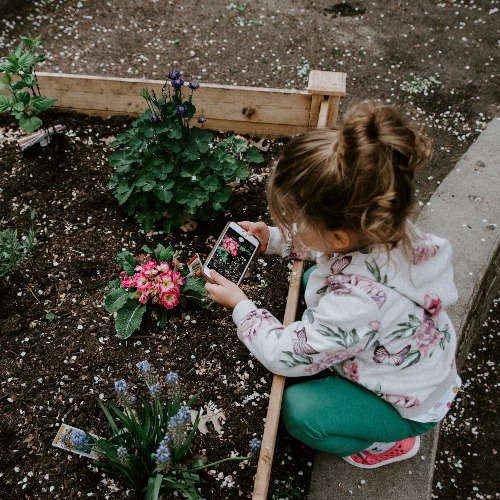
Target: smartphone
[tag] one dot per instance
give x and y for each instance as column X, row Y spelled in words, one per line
column 232, row 254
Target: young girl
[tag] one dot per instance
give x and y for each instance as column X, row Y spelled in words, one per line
column 376, row 300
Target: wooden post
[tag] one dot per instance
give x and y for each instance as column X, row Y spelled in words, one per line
column 328, row 87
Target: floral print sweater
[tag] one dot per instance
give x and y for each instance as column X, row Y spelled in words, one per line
column 376, row 318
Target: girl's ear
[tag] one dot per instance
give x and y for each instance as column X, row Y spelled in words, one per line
column 343, row 240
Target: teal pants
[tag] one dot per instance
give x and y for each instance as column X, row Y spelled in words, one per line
column 338, row 416
column 335, row 415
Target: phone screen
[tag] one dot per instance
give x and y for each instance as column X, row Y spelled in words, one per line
column 232, row 255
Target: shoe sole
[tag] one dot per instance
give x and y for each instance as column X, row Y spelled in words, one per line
column 407, row 455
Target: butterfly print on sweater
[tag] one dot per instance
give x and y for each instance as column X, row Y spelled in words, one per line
column 300, row 345
column 382, row 355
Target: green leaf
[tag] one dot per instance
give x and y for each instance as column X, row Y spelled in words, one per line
column 116, row 299
column 127, row 262
column 5, row 103
column 128, row 318
column 41, row 103
column 253, row 155
column 123, row 192
column 22, row 96
column 30, row 123
column 163, row 193
column 146, row 181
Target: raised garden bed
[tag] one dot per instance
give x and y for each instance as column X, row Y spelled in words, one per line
column 59, row 345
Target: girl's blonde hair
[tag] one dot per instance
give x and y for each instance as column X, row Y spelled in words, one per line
column 358, row 176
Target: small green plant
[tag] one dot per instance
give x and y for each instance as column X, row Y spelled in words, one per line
column 14, row 249
column 155, row 278
column 169, row 172
column 25, row 106
column 150, row 441
column 420, row 85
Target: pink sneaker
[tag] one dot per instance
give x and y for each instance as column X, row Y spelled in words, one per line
column 402, row 450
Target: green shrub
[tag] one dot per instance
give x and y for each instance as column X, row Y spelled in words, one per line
column 168, row 172
column 14, row 249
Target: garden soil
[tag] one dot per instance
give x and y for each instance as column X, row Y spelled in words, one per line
column 435, row 60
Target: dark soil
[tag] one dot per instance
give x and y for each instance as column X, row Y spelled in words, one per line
column 53, row 370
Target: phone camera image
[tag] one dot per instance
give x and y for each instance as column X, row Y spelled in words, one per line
column 232, row 255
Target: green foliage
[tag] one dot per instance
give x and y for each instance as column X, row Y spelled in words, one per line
column 150, row 441
column 25, row 106
column 421, row 85
column 167, row 172
column 14, row 249
column 156, row 279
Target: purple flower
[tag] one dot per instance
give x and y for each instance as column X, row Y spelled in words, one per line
column 174, row 74
column 154, row 118
column 177, row 83
column 163, row 452
column 154, row 389
column 255, row 444
column 202, row 119
column 181, row 110
column 194, row 84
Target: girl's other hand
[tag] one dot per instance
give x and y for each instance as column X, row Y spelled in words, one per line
column 224, row 292
column 259, row 230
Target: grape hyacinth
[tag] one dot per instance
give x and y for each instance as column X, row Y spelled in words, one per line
column 255, row 445
column 172, row 378
column 121, row 386
column 162, row 454
column 122, row 453
column 155, row 389
column 143, row 366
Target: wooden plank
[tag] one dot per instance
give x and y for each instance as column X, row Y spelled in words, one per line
column 260, row 111
column 262, row 477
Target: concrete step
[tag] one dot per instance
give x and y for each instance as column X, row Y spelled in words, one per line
column 465, row 209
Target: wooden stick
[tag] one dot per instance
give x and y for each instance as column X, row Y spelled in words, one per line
column 261, row 484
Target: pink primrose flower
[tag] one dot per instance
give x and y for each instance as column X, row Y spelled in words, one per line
column 177, row 277
column 126, row 281
column 169, row 300
column 163, row 267
column 143, row 296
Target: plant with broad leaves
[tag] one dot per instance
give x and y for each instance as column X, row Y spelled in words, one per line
column 168, row 172
column 25, row 101
column 155, row 278
column 13, row 249
column 151, row 439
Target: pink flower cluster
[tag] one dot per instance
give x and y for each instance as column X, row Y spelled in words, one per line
column 230, row 246
column 158, row 282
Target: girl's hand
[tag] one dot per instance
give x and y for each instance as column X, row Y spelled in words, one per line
column 224, row 292
column 259, row 230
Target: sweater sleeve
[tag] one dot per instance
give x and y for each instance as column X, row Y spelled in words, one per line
column 277, row 245
column 340, row 327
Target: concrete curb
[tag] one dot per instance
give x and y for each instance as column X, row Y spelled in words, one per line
column 465, row 209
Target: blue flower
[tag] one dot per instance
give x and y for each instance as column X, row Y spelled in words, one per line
column 194, row 84
column 180, row 419
column 154, row 118
column 174, row 74
column 163, row 452
column 172, row 377
column 154, row 389
column 255, row 444
column 144, row 366
column 122, row 453
column 201, row 119
column 177, row 83
column 79, row 438
column 121, row 386
column 181, row 110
